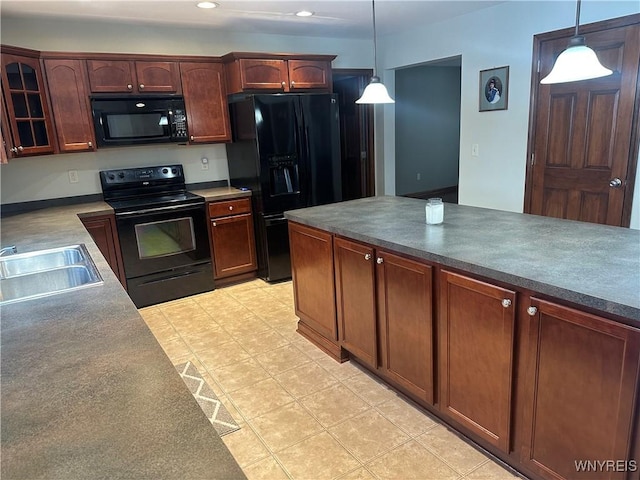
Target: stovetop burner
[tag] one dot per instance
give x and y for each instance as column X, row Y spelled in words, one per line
column 130, row 189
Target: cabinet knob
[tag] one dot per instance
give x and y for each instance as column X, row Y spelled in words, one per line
column 230, row 207
column 129, row 86
column 191, row 138
column 506, row 303
column 90, row 144
column 367, row 256
column 214, row 224
column 20, row 148
column 293, row 84
column 284, row 84
column 379, row 260
column 141, row 86
column 14, row 150
column 532, row 311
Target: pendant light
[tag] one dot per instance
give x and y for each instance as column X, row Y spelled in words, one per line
column 577, row 62
column 375, row 92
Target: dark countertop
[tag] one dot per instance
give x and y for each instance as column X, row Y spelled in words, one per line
column 87, row 391
column 590, row 265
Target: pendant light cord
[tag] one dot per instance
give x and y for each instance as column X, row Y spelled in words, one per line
column 375, row 50
column 577, row 16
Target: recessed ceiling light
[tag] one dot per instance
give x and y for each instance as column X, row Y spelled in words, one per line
column 304, row 13
column 207, row 5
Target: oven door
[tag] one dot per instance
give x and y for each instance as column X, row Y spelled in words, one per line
column 160, row 239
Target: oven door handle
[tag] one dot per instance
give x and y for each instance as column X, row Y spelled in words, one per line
column 160, row 209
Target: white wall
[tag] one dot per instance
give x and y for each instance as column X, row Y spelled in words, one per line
column 38, row 178
column 494, row 37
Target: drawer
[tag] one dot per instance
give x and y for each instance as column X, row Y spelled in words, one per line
column 229, row 207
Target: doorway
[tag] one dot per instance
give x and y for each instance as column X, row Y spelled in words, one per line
column 583, row 136
column 356, row 134
column 427, row 129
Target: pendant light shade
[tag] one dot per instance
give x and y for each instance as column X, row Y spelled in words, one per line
column 375, row 92
column 577, row 62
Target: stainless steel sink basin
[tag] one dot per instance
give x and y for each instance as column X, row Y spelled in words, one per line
column 46, row 272
column 41, row 260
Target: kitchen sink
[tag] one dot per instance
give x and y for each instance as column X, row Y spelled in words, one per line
column 46, row 272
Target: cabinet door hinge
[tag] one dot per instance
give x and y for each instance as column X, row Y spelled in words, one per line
column 533, row 159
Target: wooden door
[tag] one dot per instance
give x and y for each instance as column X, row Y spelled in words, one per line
column 27, row 106
column 309, row 74
column 585, row 134
column 581, row 374
column 477, row 322
column 102, row 229
column 157, row 77
column 205, row 98
column 69, row 95
column 263, row 74
column 355, row 299
column 313, row 278
column 111, row 76
column 405, row 323
column 234, row 247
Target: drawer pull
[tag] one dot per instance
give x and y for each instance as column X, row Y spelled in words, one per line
column 230, row 207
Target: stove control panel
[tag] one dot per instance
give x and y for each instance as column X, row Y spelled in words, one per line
column 142, row 179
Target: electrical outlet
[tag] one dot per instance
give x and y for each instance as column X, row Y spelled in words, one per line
column 418, row 176
column 73, row 176
column 475, row 150
column 205, row 163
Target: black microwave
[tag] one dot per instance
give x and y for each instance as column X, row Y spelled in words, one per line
column 138, row 120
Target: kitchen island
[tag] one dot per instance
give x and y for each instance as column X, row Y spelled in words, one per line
column 87, row 391
column 521, row 332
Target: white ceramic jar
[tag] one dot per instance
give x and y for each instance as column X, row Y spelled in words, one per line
column 434, row 211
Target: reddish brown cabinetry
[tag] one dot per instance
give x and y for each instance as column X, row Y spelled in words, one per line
column 477, row 327
column 205, row 97
column 69, row 94
column 23, row 88
column 285, row 73
column 314, row 286
column 102, row 229
column 129, row 76
column 581, row 382
column 232, row 238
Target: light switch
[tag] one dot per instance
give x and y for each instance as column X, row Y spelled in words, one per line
column 475, row 150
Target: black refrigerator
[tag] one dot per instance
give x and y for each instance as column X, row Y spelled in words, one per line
column 286, row 150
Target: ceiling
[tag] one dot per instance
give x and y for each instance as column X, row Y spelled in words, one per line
column 342, row 19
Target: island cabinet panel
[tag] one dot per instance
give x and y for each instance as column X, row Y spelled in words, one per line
column 581, row 383
column 102, row 229
column 232, row 238
column 405, row 323
column 205, row 98
column 313, row 278
column 476, row 356
column 356, row 299
column 69, row 93
column 130, row 76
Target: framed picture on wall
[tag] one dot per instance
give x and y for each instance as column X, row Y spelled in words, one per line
column 494, row 89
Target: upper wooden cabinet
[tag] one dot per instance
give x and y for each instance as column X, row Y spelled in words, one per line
column 27, row 106
column 133, row 76
column 284, row 73
column 69, row 94
column 205, row 98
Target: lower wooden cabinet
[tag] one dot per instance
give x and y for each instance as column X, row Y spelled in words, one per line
column 476, row 345
column 232, row 238
column 102, row 229
column 355, row 299
column 581, row 383
column 405, row 323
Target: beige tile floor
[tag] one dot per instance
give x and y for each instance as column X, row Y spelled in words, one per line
column 303, row 415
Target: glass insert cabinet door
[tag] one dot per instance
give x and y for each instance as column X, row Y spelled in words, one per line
column 165, row 238
column 23, row 91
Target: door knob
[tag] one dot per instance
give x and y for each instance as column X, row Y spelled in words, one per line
column 615, row 183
